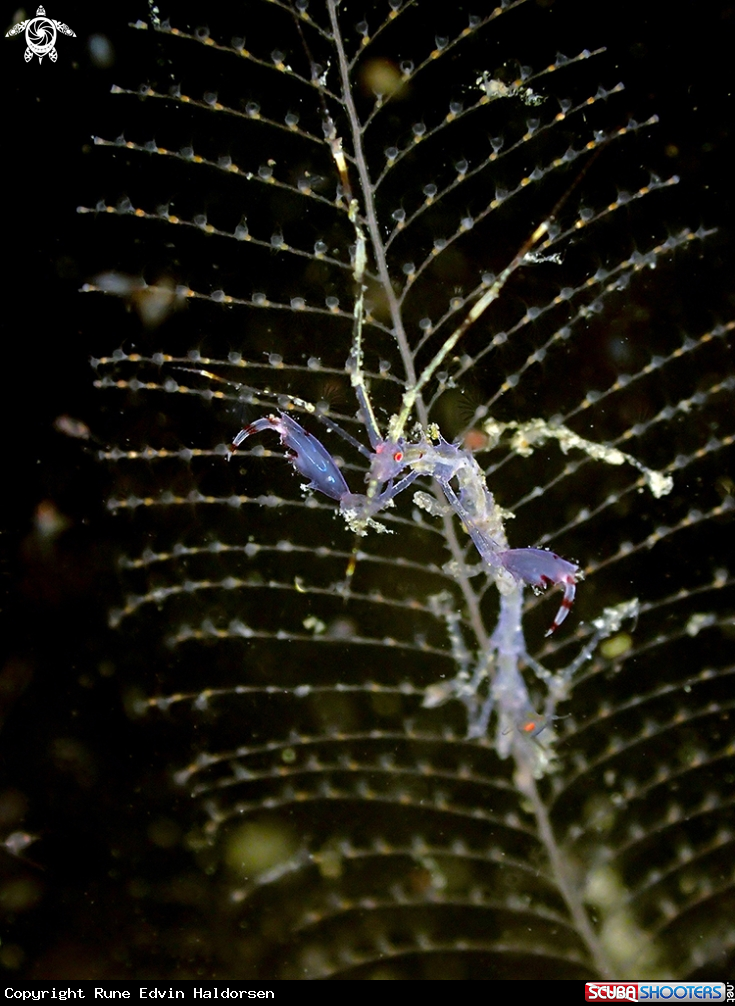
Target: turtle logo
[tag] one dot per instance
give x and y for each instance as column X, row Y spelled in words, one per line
column 40, row 35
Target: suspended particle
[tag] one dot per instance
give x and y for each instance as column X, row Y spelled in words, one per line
column 72, row 427
column 382, row 78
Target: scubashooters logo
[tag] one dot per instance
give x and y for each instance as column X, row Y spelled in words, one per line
column 40, row 35
column 655, row 991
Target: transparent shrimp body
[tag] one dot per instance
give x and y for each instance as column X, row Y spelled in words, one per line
column 446, row 463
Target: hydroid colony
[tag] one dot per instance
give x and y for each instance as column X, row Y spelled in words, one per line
column 409, row 232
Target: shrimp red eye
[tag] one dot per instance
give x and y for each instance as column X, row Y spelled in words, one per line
column 398, row 456
column 529, row 727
